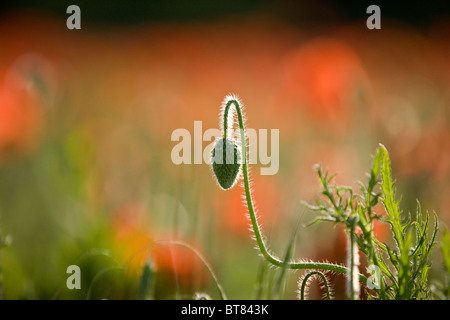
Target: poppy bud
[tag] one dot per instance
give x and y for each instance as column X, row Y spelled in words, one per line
column 226, row 162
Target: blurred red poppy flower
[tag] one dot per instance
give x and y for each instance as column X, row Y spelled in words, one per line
column 20, row 115
column 135, row 244
column 323, row 76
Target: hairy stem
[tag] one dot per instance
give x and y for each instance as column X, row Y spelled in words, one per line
column 256, row 228
column 305, row 282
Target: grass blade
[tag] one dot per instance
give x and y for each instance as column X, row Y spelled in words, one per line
column 445, row 249
column 146, row 283
column 284, row 268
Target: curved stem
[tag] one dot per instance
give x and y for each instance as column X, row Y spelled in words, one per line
column 256, row 228
column 305, row 281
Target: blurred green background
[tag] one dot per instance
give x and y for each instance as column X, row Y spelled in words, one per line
column 86, row 118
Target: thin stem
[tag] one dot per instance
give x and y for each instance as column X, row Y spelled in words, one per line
column 352, row 266
column 353, row 285
column 372, row 257
column 305, row 282
column 256, row 228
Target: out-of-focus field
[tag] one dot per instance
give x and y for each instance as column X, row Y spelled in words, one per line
column 86, row 118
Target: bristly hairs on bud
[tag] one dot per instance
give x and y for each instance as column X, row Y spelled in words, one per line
column 227, row 167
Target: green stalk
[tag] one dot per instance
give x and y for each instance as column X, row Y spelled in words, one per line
column 352, row 286
column 256, row 228
column 305, row 282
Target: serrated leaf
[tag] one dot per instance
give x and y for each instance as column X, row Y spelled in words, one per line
column 427, row 251
column 421, row 241
column 407, row 223
column 321, row 219
column 316, row 208
column 389, row 202
column 380, row 245
column 434, row 236
column 384, row 268
column 375, row 170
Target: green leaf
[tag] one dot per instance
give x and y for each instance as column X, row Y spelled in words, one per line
column 261, row 275
column 426, row 250
column 320, row 219
column 385, row 270
column 434, row 236
column 421, row 236
column 445, row 249
column 404, row 270
column 375, row 170
column 389, row 202
column 287, row 257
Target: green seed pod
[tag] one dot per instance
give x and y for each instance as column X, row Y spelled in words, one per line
column 226, row 162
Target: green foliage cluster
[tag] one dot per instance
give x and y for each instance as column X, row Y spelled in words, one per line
column 400, row 271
